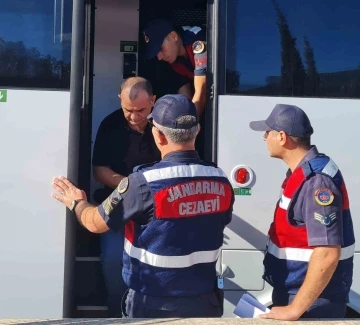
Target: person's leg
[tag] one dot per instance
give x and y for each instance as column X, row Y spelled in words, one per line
column 112, row 247
column 135, row 306
column 280, row 298
column 207, row 305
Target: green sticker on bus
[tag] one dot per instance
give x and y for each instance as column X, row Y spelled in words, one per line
column 3, row 96
column 242, row 191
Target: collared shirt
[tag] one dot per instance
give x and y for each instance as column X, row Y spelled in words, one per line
column 305, row 208
column 121, row 148
column 195, row 64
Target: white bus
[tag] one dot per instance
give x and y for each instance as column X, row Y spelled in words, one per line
column 61, row 64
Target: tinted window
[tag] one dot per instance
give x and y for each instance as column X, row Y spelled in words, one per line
column 293, row 48
column 35, row 43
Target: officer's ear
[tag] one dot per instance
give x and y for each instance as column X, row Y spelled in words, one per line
column 153, row 100
column 174, row 35
column 282, row 137
column 159, row 137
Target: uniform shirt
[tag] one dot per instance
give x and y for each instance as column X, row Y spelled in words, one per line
column 306, row 207
column 177, row 210
column 194, row 40
column 121, row 148
column 136, row 202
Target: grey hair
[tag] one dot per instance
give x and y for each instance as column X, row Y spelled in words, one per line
column 135, row 85
column 180, row 136
column 302, row 142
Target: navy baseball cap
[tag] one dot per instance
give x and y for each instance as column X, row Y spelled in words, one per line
column 288, row 118
column 169, row 108
column 154, row 35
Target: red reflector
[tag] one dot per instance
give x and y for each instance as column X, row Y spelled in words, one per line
column 241, row 175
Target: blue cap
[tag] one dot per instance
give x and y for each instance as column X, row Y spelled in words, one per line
column 154, row 35
column 169, row 108
column 288, row 118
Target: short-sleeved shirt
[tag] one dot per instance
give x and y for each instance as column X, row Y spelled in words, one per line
column 194, row 40
column 305, row 208
column 121, row 148
column 133, row 199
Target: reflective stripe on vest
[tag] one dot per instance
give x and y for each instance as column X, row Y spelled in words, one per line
column 174, row 253
column 180, row 261
column 201, row 187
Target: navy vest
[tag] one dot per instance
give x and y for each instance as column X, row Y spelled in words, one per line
column 288, row 252
column 175, row 253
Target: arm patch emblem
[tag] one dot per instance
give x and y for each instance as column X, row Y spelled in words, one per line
column 324, row 196
column 123, row 185
column 198, row 47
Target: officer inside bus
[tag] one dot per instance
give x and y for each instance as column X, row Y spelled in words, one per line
column 123, row 141
column 169, row 260
column 309, row 259
column 184, row 49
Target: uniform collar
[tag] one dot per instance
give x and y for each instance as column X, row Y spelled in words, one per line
column 179, row 155
column 311, row 154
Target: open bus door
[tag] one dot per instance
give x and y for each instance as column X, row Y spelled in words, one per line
column 113, row 52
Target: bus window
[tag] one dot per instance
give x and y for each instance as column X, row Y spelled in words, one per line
column 35, row 43
column 293, row 48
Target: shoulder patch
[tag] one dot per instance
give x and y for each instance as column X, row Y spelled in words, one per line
column 324, row 196
column 198, row 47
column 325, row 220
column 123, row 185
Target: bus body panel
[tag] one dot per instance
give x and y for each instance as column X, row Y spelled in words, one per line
column 34, row 133
column 335, row 122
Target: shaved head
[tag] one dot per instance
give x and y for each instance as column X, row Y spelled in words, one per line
column 134, row 86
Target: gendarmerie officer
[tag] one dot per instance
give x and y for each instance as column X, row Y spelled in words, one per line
column 309, row 258
column 174, row 212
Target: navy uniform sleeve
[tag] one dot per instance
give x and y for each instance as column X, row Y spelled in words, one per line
column 200, row 57
column 131, row 200
column 322, row 211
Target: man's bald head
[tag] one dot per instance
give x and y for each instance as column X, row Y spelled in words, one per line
column 134, row 86
column 137, row 100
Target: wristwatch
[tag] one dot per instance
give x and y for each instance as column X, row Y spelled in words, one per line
column 73, row 204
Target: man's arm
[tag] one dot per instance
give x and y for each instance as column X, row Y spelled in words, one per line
column 186, row 90
column 130, row 200
column 88, row 216
column 105, row 175
column 102, row 157
column 325, row 233
column 322, row 265
column 199, row 98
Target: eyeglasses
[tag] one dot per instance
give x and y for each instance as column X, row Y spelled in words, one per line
column 153, row 126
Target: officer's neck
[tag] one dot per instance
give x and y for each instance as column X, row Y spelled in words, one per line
column 292, row 158
column 173, row 148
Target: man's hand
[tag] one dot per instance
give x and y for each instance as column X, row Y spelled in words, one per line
column 282, row 313
column 67, row 191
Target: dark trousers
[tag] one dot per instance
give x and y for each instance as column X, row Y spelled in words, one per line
column 321, row 308
column 112, row 247
column 144, row 306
